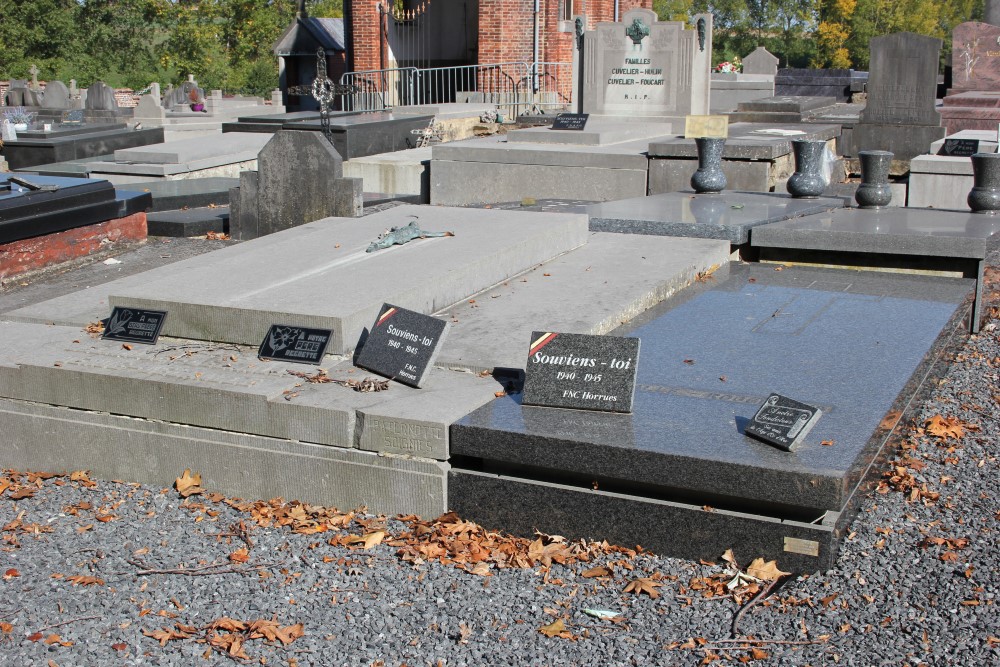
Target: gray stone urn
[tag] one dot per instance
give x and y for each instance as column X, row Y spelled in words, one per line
column 808, row 182
column 874, row 191
column 709, row 177
column 985, row 194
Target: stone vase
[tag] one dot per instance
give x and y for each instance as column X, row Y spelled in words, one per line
column 985, row 194
column 808, row 182
column 709, row 178
column 874, row 191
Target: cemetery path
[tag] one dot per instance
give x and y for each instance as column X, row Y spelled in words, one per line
column 113, row 573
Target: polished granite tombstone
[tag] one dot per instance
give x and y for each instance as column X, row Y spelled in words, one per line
column 354, row 134
column 63, row 203
column 186, row 193
column 727, row 215
column 897, row 238
column 678, row 476
column 757, row 157
column 837, row 83
column 74, row 142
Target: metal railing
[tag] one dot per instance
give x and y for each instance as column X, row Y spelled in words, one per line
column 514, row 88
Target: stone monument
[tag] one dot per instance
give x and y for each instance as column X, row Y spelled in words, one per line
column 902, row 84
column 299, row 180
column 973, row 102
column 761, row 61
column 645, row 68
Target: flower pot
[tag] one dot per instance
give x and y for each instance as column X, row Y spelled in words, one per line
column 985, row 194
column 807, row 182
column 20, row 127
column 709, row 177
column 197, row 107
column 874, row 191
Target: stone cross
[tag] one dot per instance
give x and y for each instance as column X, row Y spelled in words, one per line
column 324, row 91
column 33, row 70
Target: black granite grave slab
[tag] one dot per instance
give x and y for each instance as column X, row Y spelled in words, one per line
column 839, row 83
column 186, row 193
column 25, row 153
column 727, row 215
column 859, row 346
column 358, row 135
column 188, row 222
column 74, row 202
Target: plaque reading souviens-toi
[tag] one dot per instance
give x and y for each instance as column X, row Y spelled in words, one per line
column 134, row 325
column 298, row 344
column 570, row 121
column 580, row 371
column 402, row 345
column 783, row 422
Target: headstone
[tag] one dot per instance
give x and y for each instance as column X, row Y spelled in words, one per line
column 56, row 95
column 300, row 179
column 646, row 67
column 101, row 97
column 902, row 89
column 975, row 57
column 402, row 345
column 73, row 90
column 583, row 372
column 149, row 108
column 761, row 61
column 19, row 95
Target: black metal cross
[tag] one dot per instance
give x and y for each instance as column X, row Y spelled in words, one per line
column 324, row 91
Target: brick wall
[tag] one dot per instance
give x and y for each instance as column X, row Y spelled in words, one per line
column 362, row 22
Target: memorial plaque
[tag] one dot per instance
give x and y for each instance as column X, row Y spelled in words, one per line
column 580, row 371
column 783, row 422
column 570, row 121
column 402, row 345
column 960, row 147
column 134, row 325
column 712, row 127
column 298, row 344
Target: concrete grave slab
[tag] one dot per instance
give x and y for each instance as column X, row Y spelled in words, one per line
column 859, row 346
column 319, row 275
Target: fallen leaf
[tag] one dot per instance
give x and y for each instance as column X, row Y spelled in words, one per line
column 374, row 538
column 826, row 443
column 599, row 571
column 644, row 585
column 555, row 629
column 85, row 580
column 188, row 484
column 240, row 556
column 767, row 571
column 11, row 573
column 126, row 346
column 944, row 427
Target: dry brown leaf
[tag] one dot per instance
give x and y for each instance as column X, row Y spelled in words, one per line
column 644, row 585
column 374, row 538
column 945, row 427
column 240, row 556
column 227, row 624
column 556, row 629
column 767, row 571
column 599, row 571
column 83, row 580
column 188, row 484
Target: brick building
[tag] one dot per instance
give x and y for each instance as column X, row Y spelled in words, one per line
column 441, row 33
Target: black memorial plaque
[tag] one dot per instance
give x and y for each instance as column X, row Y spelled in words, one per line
column 581, row 372
column 959, row 147
column 783, row 422
column 133, row 325
column 298, row 344
column 570, row 121
column 402, row 345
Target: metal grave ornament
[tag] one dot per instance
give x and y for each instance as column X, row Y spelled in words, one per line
column 401, row 235
column 297, row 344
column 133, row 325
column 324, row 91
column 637, row 31
column 783, row 422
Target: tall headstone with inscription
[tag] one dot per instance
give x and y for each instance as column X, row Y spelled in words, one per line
column 902, row 87
column 642, row 67
column 973, row 102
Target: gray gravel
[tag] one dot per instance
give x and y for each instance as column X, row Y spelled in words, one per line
column 915, row 583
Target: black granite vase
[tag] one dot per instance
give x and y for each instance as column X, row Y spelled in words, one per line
column 709, row 177
column 874, row 191
column 808, row 182
column 985, row 194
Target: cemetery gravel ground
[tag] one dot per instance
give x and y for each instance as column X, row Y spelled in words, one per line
column 114, row 573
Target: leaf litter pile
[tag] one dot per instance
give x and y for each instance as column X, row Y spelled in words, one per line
column 97, row 572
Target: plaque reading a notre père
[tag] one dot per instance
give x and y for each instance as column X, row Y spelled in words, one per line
column 298, row 344
column 134, row 325
column 402, row 345
column 783, row 422
column 582, row 372
column 570, row 121
column 959, row 147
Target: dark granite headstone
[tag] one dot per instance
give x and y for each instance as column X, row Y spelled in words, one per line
column 134, row 325
column 583, row 372
column 402, row 345
column 783, row 422
column 297, row 344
